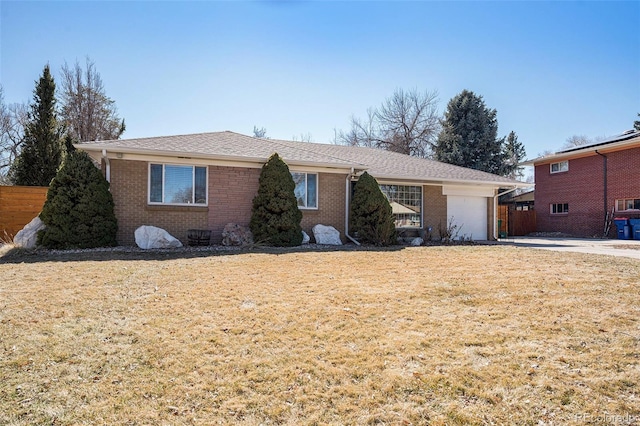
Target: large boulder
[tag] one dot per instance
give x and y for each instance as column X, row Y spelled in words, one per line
column 326, row 235
column 417, row 241
column 27, row 237
column 236, row 235
column 305, row 238
column 151, row 237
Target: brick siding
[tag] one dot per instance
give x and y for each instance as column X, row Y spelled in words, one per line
column 435, row 209
column 331, row 204
column 582, row 187
column 231, row 193
column 129, row 189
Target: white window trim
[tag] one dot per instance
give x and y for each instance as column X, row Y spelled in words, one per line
column 560, row 168
column 193, row 178
column 387, row 183
column 558, row 204
column 624, row 200
column 306, row 186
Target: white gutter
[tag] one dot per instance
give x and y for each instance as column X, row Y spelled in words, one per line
column 107, row 165
column 495, row 211
column 347, row 189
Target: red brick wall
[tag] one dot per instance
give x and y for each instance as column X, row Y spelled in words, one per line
column 582, row 186
column 129, row 190
column 435, row 209
column 231, row 193
column 331, row 204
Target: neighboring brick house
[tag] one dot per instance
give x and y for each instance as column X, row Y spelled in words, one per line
column 577, row 189
column 204, row 181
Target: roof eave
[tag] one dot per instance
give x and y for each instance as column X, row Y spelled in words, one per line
column 203, row 156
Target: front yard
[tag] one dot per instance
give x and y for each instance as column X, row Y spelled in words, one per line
column 425, row 335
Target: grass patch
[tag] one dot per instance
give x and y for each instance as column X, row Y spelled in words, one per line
column 437, row 335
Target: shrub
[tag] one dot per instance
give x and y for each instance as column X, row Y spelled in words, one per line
column 78, row 211
column 371, row 215
column 275, row 217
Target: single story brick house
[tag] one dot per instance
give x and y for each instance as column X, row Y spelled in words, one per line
column 577, row 189
column 204, row 181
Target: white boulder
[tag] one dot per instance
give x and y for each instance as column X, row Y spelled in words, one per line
column 151, row 237
column 305, row 238
column 417, row 241
column 27, row 237
column 326, row 235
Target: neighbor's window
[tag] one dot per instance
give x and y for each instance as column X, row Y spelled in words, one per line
column 559, row 208
column 177, row 184
column 562, row 166
column 628, row 204
column 406, row 204
column 306, row 189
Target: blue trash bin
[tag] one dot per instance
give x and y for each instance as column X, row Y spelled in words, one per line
column 624, row 230
column 635, row 228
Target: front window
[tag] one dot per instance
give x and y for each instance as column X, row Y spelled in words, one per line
column 177, row 184
column 562, row 166
column 627, row 204
column 560, row 208
column 306, row 189
column 406, row 204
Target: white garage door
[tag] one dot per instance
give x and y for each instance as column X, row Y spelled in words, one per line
column 470, row 214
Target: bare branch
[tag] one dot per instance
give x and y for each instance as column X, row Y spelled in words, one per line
column 407, row 122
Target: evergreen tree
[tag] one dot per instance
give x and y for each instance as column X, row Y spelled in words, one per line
column 514, row 153
column 469, row 135
column 79, row 210
column 275, row 217
column 636, row 124
column 41, row 147
column 371, row 215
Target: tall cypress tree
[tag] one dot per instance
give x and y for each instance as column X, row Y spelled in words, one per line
column 275, row 217
column 469, row 135
column 79, row 211
column 371, row 215
column 41, row 148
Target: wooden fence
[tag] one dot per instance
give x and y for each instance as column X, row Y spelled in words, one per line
column 18, row 206
column 516, row 222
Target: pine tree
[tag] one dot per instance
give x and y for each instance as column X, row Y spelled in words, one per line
column 371, row 215
column 41, row 147
column 636, row 124
column 79, row 210
column 514, row 153
column 275, row 217
column 469, row 135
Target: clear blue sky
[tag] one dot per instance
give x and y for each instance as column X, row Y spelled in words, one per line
column 550, row 69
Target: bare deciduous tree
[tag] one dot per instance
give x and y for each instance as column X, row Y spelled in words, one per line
column 87, row 112
column 407, row 122
column 13, row 118
column 304, row 137
column 260, row 132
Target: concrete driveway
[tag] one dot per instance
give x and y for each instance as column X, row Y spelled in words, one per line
column 623, row 248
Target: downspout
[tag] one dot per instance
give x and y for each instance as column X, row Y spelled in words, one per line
column 604, row 182
column 107, row 165
column 495, row 211
column 347, row 190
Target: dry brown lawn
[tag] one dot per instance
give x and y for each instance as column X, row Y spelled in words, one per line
column 426, row 335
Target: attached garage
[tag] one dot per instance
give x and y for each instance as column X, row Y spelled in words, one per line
column 467, row 208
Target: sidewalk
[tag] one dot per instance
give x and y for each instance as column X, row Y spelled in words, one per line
column 622, row 248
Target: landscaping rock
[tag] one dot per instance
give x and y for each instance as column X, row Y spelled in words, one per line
column 417, row 241
column 305, row 238
column 151, row 237
column 326, row 235
column 236, row 235
column 27, row 237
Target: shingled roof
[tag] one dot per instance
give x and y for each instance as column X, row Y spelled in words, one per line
column 234, row 146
